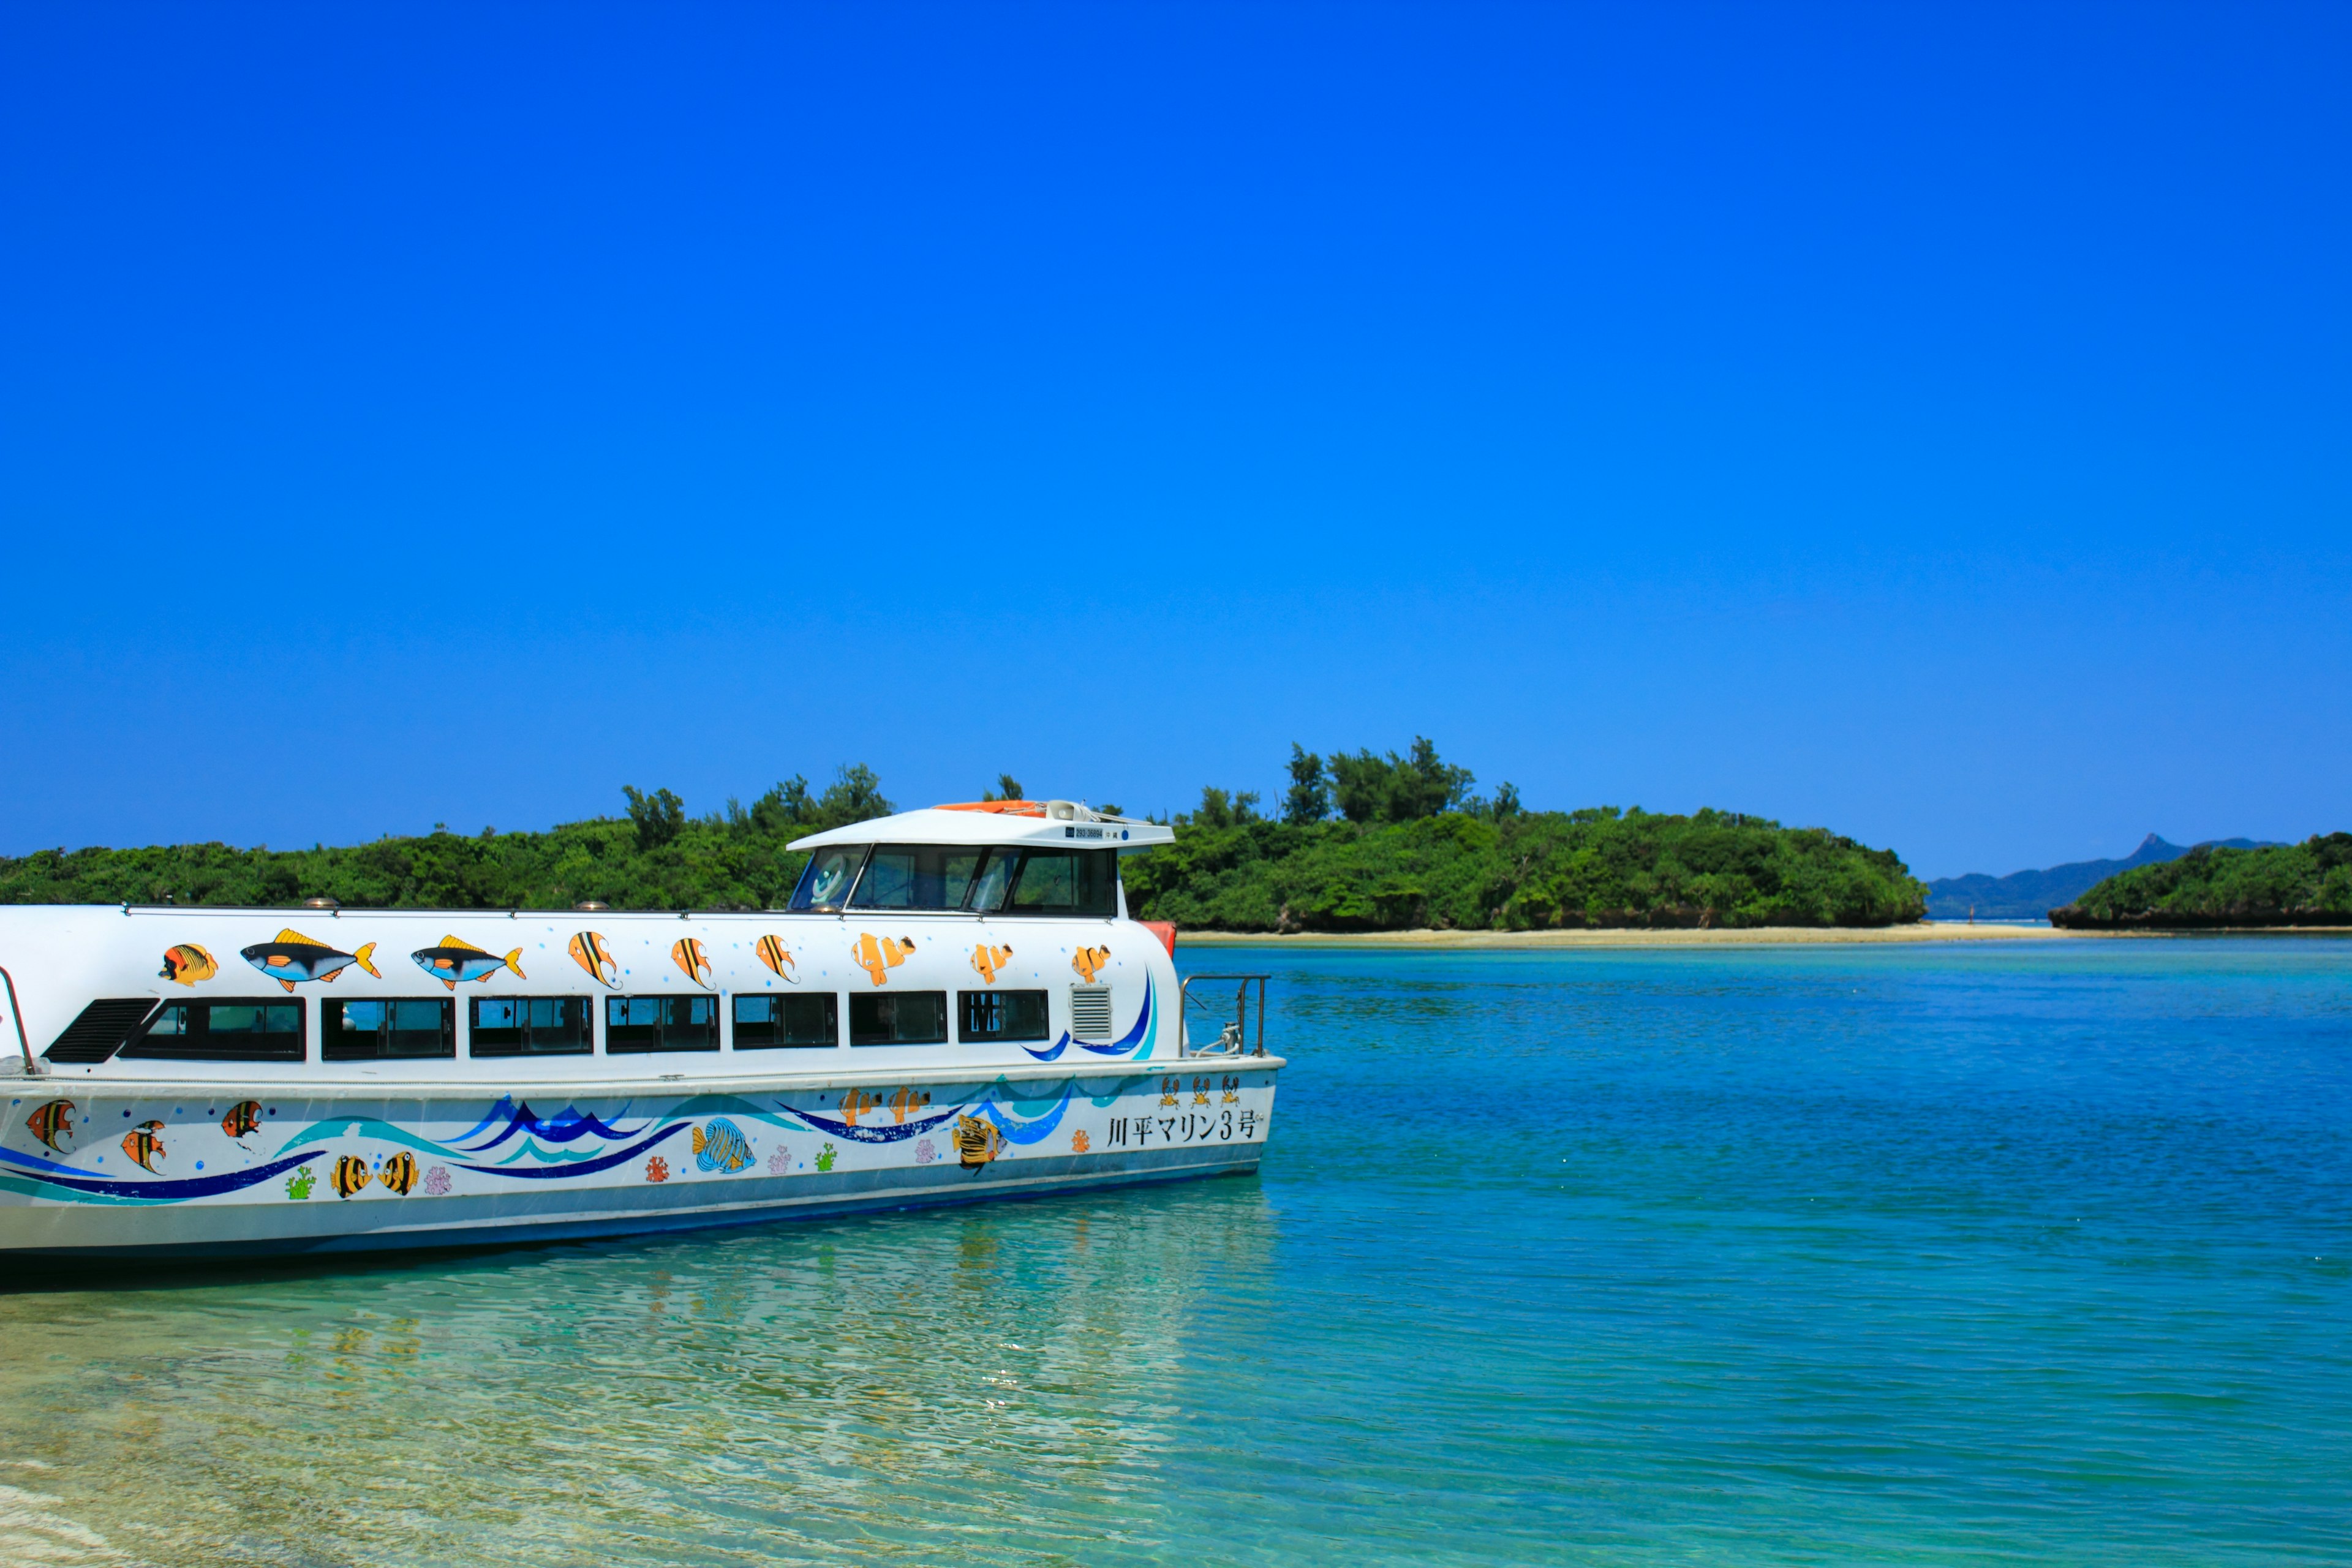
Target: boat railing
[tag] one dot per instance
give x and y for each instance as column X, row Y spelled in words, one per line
column 32, row 1064
column 1230, row 1020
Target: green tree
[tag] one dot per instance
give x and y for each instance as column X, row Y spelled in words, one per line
column 1309, row 799
column 1007, row 788
column 658, row 817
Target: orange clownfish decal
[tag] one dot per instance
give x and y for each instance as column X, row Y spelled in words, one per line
column 856, row 1103
column 905, row 1103
column 986, row 961
column 778, row 957
column 1088, row 961
column 879, row 955
column 688, row 955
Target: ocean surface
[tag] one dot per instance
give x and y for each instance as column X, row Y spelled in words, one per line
column 1938, row 1255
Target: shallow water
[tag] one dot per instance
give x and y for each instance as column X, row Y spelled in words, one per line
column 1938, row 1255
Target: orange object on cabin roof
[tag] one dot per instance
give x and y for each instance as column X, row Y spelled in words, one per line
column 1000, row 807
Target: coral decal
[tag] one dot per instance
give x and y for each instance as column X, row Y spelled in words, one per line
column 243, row 1119
column 656, row 1169
column 879, row 955
column 778, row 957
column 779, row 1162
column 436, row 1181
column 825, row 1157
column 399, row 1173
column 588, row 951
column 924, row 1153
column 905, row 1103
column 351, row 1175
column 1080, row 1143
column 298, row 1184
column 720, row 1145
column 977, row 1142
column 689, row 956
column 51, row 1122
column 187, row 964
column 1089, row 961
column 294, row 957
column 455, row 960
column 986, row 961
column 144, row 1144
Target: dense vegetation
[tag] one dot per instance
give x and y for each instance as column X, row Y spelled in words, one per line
column 1362, row 842
column 2302, row 884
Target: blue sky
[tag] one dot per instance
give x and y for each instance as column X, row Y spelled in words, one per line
column 1931, row 424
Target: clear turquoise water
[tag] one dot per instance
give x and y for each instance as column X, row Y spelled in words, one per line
column 1841, row 1254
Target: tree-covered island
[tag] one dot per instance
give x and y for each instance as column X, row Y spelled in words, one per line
column 2306, row 884
column 1360, row 841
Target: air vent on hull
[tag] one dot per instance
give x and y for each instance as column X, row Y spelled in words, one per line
column 1090, row 1012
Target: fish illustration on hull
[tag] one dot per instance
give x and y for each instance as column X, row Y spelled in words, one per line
column 1088, row 961
column 778, row 957
column 144, row 1144
column 399, row 1173
column 352, row 1175
column 879, row 955
column 187, row 964
column 720, row 1145
column 690, row 956
column 906, row 1103
column 244, row 1117
column 588, row 951
column 986, row 961
column 455, row 960
column 293, row 957
column 977, row 1142
column 51, row 1122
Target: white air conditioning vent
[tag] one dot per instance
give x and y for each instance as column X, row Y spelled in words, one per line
column 1090, row 1012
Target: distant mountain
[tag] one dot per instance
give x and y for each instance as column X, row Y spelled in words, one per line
column 2030, row 895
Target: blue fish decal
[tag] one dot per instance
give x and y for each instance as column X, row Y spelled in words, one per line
column 720, row 1145
column 293, row 957
column 455, row 960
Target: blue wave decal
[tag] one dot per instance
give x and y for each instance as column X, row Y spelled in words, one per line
column 566, row 1126
column 595, row 1162
column 1142, row 1032
column 1124, row 1086
column 857, row 1134
column 1035, row 1130
column 366, row 1127
column 163, row 1190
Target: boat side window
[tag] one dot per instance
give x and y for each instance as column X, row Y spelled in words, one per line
column 405, row 1026
column 898, row 1019
column 528, row 1026
column 764, row 1023
column 915, row 877
column 223, row 1032
column 636, row 1023
column 1065, row 882
column 825, row 879
column 1002, row 1016
column 995, row 876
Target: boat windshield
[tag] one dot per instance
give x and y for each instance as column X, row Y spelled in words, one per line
column 825, row 884
column 915, row 876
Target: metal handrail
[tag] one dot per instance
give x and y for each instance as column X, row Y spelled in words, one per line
column 32, row 1068
column 1233, row 1040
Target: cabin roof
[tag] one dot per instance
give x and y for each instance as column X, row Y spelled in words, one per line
column 999, row 822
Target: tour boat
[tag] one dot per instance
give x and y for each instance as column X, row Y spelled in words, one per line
column 954, row 1006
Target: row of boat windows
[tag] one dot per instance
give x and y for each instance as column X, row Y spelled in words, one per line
column 426, row 1026
column 1016, row 882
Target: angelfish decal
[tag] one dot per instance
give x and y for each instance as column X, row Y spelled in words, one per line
column 688, row 954
column 50, row 1123
column 588, row 951
column 187, row 964
column 455, row 960
column 879, row 955
column 295, row 957
column 778, row 957
column 144, row 1144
